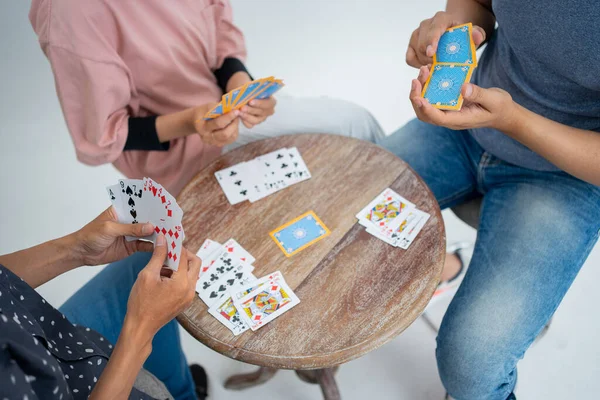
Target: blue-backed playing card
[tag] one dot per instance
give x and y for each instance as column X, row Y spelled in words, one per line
column 270, row 91
column 299, row 233
column 442, row 89
column 456, row 46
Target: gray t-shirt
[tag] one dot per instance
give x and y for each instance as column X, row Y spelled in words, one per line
column 546, row 54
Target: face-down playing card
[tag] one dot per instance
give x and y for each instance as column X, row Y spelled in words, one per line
column 456, row 46
column 299, row 233
column 443, row 87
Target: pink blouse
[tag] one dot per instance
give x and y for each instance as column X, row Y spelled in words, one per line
column 114, row 59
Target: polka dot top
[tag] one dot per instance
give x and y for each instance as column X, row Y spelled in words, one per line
column 42, row 354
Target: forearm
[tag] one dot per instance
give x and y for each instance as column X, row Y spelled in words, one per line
column 39, row 264
column 479, row 12
column 131, row 351
column 575, row 151
column 176, row 125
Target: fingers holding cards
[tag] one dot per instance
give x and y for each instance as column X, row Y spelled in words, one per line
column 145, row 201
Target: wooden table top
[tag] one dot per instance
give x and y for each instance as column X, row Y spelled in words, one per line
column 356, row 292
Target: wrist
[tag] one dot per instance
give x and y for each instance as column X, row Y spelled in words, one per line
column 135, row 335
column 237, row 79
column 511, row 119
column 70, row 251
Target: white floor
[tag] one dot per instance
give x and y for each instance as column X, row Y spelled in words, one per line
column 350, row 49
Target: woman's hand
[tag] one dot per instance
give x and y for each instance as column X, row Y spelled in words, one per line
column 257, row 111
column 219, row 131
column 492, row 108
column 424, row 40
column 156, row 298
column 103, row 240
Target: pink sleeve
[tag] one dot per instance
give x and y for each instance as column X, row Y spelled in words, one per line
column 94, row 97
column 230, row 40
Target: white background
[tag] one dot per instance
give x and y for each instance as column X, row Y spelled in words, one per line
column 348, row 49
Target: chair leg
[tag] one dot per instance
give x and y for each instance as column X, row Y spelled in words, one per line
column 429, row 322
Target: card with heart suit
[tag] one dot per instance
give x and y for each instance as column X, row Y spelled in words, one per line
column 225, row 311
column 385, row 212
column 266, row 303
column 393, row 219
column 299, row 233
column 229, row 277
column 145, row 201
column 255, row 179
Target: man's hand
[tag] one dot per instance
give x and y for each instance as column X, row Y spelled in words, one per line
column 492, row 108
column 159, row 295
column 103, row 240
column 424, row 40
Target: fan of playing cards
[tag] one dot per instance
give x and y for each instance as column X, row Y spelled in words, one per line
column 233, row 294
column 237, row 98
column 265, row 175
column 393, row 219
column 142, row 201
column 453, row 65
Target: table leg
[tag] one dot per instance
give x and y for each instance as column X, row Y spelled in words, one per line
column 325, row 378
column 243, row 381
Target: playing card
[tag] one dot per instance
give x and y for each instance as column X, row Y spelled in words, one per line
column 442, row 89
column 242, row 290
column 456, row 46
column 214, row 112
column 266, row 303
column 270, row 90
column 299, row 171
column 229, row 316
column 238, row 180
column 115, row 198
column 131, row 196
column 228, row 276
column 406, row 240
column 249, row 91
column 223, row 264
column 299, row 233
column 235, row 250
column 387, row 208
column 144, row 201
column 208, row 247
column 271, row 176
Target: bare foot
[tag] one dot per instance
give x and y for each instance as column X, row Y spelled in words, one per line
column 451, row 267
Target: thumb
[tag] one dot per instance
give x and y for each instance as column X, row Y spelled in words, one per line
column 159, row 255
column 478, row 35
column 137, row 230
column 476, row 94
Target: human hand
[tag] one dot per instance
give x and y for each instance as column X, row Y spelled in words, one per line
column 158, row 294
column 424, row 40
column 257, row 111
column 492, row 108
column 103, row 240
column 219, row 131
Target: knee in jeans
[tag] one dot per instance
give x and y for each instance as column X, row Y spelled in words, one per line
column 470, row 368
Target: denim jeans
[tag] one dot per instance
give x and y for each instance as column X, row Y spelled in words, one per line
column 101, row 305
column 536, row 231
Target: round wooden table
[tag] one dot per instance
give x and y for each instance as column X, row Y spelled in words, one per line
column 356, row 292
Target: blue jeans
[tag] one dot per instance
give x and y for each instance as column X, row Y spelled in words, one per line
column 101, row 305
column 536, row 231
